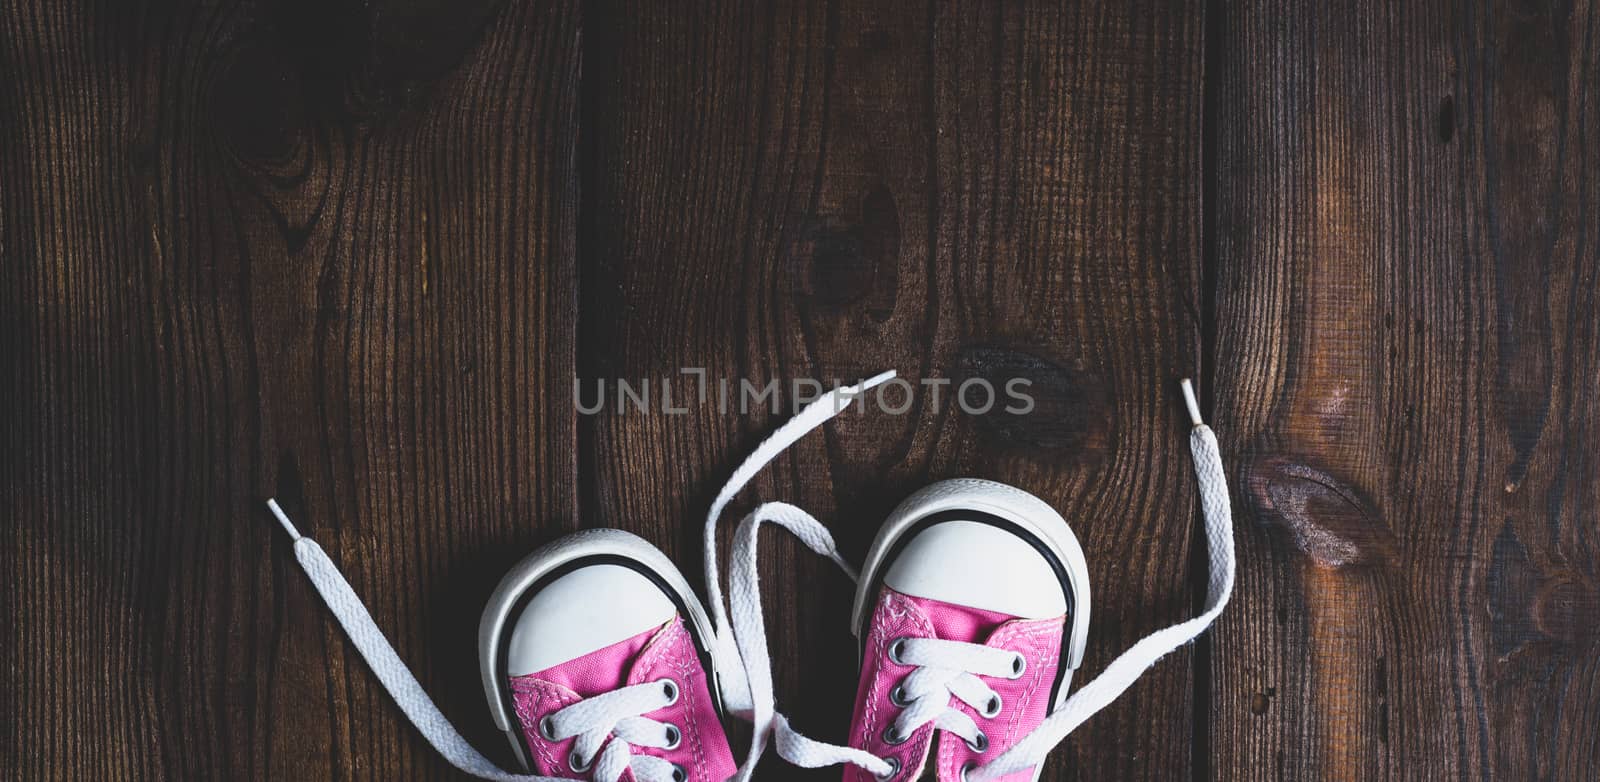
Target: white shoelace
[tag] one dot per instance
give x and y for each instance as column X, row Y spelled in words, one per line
column 619, row 713
column 592, row 720
column 747, row 688
column 942, row 670
column 952, row 668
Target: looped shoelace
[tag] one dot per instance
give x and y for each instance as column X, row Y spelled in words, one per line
column 614, row 715
column 749, row 686
column 420, row 709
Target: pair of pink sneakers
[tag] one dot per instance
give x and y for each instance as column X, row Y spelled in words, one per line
column 600, row 663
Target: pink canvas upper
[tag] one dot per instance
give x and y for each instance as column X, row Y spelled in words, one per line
column 665, row 652
column 1025, row 701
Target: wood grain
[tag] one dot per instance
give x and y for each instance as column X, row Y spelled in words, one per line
column 826, row 191
column 322, row 251
column 356, row 255
column 1406, row 343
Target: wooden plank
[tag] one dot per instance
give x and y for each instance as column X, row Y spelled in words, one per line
column 322, row 252
column 1406, row 346
column 820, row 192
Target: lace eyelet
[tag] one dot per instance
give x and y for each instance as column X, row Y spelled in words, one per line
column 897, row 696
column 980, row 744
column 968, row 766
column 669, row 688
column 896, row 649
column 992, row 708
column 1018, row 665
column 894, row 769
column 547, row 729
column 674, row 736
column 678, row 774
column 575, row 762
column 892, row 737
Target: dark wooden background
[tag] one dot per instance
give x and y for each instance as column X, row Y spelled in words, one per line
column 354, row 254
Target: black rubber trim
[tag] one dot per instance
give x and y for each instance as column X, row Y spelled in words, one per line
column 679, row 601
column 875, row 586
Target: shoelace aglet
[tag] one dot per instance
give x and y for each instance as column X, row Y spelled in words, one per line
column 881, row 377
column 844, row 395
column 283, row 518
column 1192, row 403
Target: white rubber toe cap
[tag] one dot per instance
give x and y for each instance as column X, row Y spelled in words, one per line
column 981, row 566
column 581, row 612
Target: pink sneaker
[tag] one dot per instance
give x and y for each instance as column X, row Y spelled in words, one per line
column 595, row 656
column 594, row 643
column 973, row 608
